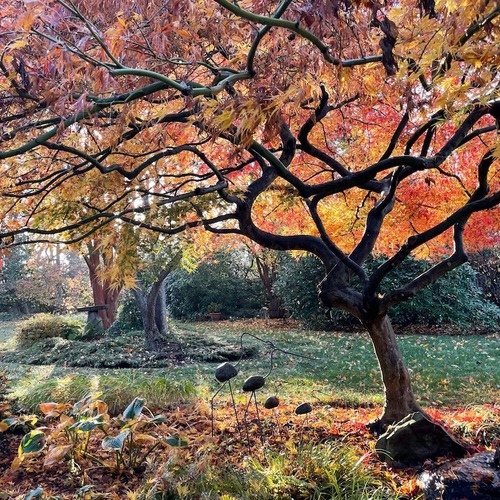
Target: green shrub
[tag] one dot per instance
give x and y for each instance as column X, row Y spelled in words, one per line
column 43, row 326
column 223, row 282
column 296, row 286
column 487, row 265
column 453, row 299
column 129, row 316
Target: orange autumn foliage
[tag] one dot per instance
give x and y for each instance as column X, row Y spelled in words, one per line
column 343, row 129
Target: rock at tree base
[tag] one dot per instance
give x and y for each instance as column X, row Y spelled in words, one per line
column 473, row 478
column 415, row 439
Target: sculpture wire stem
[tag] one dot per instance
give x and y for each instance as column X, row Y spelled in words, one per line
column 235, row 410
column 259, row 423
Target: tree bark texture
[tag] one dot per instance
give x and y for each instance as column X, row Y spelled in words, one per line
column 399, row 398
column 103, row 291
column 153, row 312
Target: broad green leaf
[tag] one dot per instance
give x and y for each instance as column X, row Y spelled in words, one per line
column 32, row 442
column 88, row 424
column 175, row 441
column 9, row 422
column 115, row 442
column 6, row 423
column 134, row 409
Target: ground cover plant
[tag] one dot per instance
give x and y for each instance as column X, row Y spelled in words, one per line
column 330, row 453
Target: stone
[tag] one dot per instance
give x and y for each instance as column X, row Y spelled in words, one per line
column 474, row 478
column 415, row 439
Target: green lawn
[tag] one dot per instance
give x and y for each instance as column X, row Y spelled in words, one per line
column 339, row 368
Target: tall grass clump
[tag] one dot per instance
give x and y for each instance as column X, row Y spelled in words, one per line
column 44, row 326
column 317, row 471
column 116, row 391
column 312, row 472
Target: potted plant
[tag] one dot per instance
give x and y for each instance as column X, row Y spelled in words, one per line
column 214, row 311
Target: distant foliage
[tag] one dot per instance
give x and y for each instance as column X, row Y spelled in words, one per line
column 222, row 284
column 487, row 265
column 36, row 282
column 129, row 316
column 43, row 326
column 296, row 287
column 454, row 299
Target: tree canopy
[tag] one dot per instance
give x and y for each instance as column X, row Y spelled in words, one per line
column 341, row 128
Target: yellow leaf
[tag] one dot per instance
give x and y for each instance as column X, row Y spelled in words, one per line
column 19, row 44
column 184, row 34
column 144, row 439
column 101, row 407
column 224, row 120
column 52, row 409
column 16, row 463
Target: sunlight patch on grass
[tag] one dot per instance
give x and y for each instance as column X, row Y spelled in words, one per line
column 7, row 329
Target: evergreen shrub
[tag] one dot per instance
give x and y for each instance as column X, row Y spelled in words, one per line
column 454, row 299
column 224, row 282
column 43, row 326
column 129, row 316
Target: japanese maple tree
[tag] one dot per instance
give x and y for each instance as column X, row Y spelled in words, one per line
column 340, row 128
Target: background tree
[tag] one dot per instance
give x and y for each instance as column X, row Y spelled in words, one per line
column 37, row 279
column 149, row 291
column 341, row 129
column 267, row 264
column 105, row 277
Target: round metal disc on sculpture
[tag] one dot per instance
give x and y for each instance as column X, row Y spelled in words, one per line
column 303, row 409
column 253, row 383
column 271, row 402
column 224, row 372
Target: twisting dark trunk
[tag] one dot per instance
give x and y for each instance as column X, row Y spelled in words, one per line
column 399, row 398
